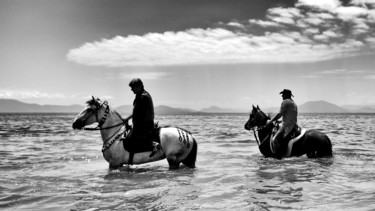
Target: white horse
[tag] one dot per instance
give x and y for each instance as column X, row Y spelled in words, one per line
column 177, row 145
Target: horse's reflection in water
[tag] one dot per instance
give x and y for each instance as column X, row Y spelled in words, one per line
column 177, row 145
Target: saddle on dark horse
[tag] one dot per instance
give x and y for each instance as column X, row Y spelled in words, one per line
column 281, row 146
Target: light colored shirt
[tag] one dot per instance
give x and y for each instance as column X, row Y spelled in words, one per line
column 289, row 111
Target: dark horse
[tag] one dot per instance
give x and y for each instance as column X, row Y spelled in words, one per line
column 312, row 143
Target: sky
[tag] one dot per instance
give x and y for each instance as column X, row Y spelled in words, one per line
column 188, row 53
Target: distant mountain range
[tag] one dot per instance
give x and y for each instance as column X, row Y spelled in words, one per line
column 162, row 110
column 321, row 107
column 15, row 106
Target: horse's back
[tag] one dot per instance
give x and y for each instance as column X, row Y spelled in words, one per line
column 317, row 144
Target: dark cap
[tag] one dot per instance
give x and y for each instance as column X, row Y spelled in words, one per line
column 286, row 92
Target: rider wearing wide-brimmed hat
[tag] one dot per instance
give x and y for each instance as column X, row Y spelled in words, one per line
column 289, row 112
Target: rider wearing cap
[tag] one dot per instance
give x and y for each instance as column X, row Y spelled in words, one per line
column 289, row 112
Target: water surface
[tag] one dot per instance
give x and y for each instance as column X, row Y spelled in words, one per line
column 45, row 165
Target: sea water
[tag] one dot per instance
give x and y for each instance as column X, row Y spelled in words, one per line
column 46, row 165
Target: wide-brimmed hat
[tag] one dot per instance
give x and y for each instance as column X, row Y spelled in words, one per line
column 287, row 92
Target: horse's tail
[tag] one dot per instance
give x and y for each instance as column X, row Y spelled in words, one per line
column 192, row 156
column 326, row 148
column 329, row 152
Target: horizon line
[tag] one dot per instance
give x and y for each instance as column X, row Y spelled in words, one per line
column 222, row 108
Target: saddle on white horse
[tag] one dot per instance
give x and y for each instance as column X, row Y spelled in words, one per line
column 142, row 143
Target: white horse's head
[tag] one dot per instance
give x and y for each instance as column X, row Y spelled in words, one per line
column 93, row 112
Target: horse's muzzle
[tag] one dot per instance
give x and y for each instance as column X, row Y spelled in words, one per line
column 247, row 126
column 77, row 125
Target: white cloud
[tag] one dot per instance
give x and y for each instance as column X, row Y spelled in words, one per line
column 144, row 75
column 370, row 40
column 312, row 31
column 102, row 97
column 300, row 34
column 33, row 96
column 342, row 74
column 264, row 23
column 309, row 76
column 235, row 24
column 17, row 94
column 322, row 4
column 350, row 13
column 283, row 15
column 325, row 73
column 338, row 71
column 363, row 3
column 371, row 77
column 315, row 21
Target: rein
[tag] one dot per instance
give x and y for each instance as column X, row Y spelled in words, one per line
column 256, row 138
column 260, row 128
column 100, row 128
column 107, row 145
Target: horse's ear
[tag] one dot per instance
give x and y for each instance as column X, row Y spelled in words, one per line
column 95, row 101
column 258, row 107
column 254, row 107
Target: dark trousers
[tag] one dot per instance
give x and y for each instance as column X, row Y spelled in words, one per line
column 139, row 139
column 280, row 143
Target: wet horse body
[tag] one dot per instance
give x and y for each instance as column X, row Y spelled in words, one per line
column 175, row 148
column 312, row 143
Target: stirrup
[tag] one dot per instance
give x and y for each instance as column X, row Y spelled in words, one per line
column 157, row 147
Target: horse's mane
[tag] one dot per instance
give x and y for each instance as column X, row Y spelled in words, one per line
column 97, row 102
column 93, row 101
column 270, row 115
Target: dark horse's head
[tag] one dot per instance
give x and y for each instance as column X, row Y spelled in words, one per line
column 257, row 118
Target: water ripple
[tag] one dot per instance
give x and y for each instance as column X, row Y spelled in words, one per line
column 46, row 165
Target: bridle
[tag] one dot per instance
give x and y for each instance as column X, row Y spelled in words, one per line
column 258, row 128
column 107, row 144
column 104, row 118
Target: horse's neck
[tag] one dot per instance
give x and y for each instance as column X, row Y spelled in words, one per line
column 264, row 133
column 112, row 119
column 263, row 120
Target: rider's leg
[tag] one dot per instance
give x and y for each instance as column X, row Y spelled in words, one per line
column 278, row 143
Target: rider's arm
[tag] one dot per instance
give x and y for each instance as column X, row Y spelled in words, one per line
column 280, row 114
column 275, row 118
